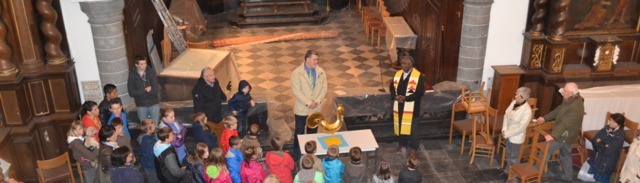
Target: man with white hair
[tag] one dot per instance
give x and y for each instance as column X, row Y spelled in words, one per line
column 208, row 98
column 568, row 120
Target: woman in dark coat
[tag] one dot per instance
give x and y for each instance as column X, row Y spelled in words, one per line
column 607, row 146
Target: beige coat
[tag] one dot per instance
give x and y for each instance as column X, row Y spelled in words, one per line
column 631, row 169
column 516, row 122
column 305, row 93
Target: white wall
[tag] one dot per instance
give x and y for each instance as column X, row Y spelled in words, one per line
column 504, row 43
column 81, row 47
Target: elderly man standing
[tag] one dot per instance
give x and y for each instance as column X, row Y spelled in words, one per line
column 309, row 84
column 407, row 89
column 568, row 120
column 516, row 120
column 208, row 98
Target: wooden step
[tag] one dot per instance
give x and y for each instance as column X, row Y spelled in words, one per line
column 280, row 12
column 290, row 20
column 273, row 3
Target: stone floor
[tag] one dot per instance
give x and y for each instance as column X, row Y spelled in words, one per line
column 350, row 62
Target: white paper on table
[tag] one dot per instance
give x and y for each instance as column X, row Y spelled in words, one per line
column 5, row 167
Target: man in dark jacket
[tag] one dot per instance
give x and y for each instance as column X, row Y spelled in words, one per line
column 568, row 120
column 143, row 87
column 110, row 92
column 208, row 97
column 406, row 90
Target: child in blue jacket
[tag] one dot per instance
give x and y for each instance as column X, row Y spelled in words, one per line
column 333, row 167
column 234, row 159
column 240, row 104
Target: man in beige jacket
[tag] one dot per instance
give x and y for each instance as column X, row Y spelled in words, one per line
column 309, row 84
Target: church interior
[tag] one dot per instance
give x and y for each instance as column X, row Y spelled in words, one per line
column 471, row 56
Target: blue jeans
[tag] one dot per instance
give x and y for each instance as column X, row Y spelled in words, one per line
column 89, row 174
column 151, row 112
column 512, row 154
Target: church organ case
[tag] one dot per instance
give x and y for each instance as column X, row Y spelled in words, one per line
column 579, row 41
column 38, row 87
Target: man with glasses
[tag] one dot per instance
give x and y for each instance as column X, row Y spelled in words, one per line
column 568, row 120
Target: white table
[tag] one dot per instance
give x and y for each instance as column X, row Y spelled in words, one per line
column 361, row 138
column 614, row 99
column 399, row 35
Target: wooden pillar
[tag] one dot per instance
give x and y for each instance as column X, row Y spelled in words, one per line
column 8, row 70
column 55, row 56
column 559, row 21
column 506, row 80
column 537, row 20
column 26, row 35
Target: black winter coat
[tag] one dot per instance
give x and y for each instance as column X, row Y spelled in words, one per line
column 208, row 99
column 607, row 151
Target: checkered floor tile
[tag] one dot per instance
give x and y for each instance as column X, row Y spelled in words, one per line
column 349, row 60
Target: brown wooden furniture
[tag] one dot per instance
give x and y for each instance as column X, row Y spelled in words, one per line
column 630, row 134
column 263, row 12
column 623, row 157
column 463, row 127
column 79, row 167
column 199, row 45
column 528, row 172
column 589, row 135
column 437, row 24
column 482, row 142
column 56, row 169
column 506, row 80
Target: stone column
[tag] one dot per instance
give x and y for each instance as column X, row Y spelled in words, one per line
column 106, row 18
column 473, row 42
column 8, row 69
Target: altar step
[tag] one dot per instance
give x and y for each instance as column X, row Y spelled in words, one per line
column 270, row 12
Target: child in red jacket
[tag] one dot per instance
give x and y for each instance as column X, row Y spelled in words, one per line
column 230, row 129
column 279, row 162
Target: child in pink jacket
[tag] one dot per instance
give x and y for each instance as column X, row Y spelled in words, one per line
column 250, row 170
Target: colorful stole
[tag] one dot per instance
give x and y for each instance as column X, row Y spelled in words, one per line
column 407, row 113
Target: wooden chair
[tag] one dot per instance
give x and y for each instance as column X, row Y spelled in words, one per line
column 630, row 134
column 589, row 135
column 623, row 157
column 463, row 127
column 56, row 169
column 79, row 167
column 482, row 142
column 379, row 27
column 374, row 19
column 531, row 171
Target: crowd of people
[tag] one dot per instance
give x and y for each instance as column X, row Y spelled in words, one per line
column 228, row 149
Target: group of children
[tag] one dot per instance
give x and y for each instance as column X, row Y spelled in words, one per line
column 102, row 146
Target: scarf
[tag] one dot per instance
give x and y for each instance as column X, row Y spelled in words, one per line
column 71, row 138
column 403, row 126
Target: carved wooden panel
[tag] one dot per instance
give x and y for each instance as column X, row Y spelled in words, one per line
column 10, row 108
column 27, row 149
column 49, row 140
column 59, row 95
column 38, row 95
column 6, row 150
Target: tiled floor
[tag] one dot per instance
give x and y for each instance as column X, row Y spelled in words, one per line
column 350, row 62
